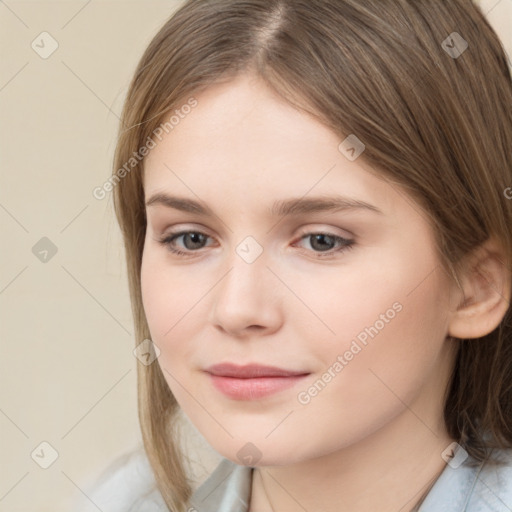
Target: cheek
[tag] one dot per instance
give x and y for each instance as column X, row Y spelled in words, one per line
column 389, row 296
column 388, row 320
column 402, row 362
column 172, row 301
column 163, row 296
column 154, row 292
column 391, row 340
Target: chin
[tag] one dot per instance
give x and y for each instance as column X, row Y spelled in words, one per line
column 261, row 453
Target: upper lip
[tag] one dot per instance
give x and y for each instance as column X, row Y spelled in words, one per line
column 250, row 371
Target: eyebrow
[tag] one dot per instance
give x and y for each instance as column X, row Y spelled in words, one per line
column 280, row 208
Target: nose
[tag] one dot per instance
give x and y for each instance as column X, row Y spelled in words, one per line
column 247, row 299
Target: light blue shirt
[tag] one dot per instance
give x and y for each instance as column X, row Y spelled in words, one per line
column 131, row 488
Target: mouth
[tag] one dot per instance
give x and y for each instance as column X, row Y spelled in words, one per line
column 252, row 381
column 251, row 371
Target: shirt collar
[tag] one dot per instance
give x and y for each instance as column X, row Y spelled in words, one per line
column 457, row 489
column 227, row 489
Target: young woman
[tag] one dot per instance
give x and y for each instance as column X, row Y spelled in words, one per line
column 315, row 198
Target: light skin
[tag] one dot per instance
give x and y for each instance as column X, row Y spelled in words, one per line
column 372, row 438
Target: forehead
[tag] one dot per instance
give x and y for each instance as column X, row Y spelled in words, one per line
column 243, row 140
column 238, row 117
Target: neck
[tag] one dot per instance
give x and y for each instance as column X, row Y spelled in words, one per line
column 386, row 471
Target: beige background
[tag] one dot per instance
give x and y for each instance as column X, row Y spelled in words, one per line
column 67, row 368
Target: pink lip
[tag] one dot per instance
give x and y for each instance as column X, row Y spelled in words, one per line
column 252, row 381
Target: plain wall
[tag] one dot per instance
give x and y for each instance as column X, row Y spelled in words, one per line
column 67, row 368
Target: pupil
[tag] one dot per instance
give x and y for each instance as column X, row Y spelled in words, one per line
column 317, row 238
column 196, row 237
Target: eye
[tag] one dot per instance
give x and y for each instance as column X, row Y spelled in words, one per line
column 192, row 240
column 323, row 244
column 326, row 244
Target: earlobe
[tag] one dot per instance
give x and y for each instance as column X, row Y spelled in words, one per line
column 485, row 293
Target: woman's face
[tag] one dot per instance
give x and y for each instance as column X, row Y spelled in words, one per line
column 353, row 298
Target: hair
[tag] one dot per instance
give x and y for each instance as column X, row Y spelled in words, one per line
column 438, row 126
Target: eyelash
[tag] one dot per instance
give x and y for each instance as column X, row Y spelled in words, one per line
column 168, row 240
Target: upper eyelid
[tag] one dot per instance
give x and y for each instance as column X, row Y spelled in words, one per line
column 314, row 227
column 310, row 231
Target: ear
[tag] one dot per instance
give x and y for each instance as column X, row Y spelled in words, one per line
column 485, row 295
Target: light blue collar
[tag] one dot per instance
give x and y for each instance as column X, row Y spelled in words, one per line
column 467, row 488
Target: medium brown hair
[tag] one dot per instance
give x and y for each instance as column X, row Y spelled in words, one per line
column 438, row 125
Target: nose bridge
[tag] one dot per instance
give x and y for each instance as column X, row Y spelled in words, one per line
column 248, row 271
column 243, row 298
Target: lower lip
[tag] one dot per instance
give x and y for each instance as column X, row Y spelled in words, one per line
column 252, row 389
